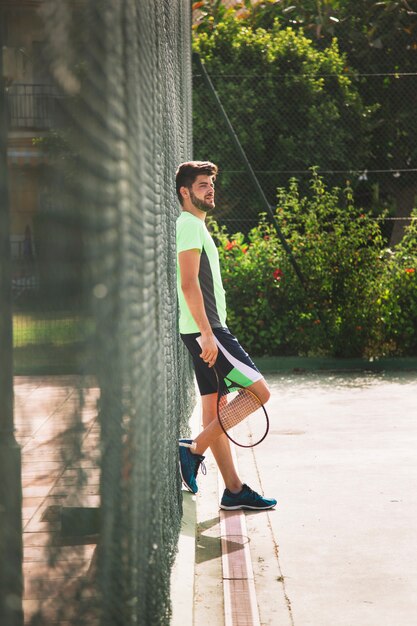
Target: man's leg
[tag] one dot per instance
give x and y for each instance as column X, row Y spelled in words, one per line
column 213, row 431
column 236, row 495
column 220, row 447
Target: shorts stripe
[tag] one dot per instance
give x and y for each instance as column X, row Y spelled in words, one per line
column 251, row 374
column 232, row 361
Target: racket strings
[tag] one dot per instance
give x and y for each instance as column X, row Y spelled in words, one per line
column 239, row 408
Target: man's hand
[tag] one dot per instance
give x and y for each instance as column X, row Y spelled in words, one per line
column 209, row 349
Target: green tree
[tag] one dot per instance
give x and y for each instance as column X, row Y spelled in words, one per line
column 377, row 38
column 379, row 42
column 293, row 106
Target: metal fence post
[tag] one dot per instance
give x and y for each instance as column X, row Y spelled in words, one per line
column 11, row 552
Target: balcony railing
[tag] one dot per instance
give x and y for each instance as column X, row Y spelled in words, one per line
column 33, row 106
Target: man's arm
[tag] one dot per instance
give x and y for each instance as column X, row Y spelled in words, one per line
column 189, row 263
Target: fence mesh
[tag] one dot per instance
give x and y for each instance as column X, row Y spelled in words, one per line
column 99, row 116
column 321, row 99
column 356, row 128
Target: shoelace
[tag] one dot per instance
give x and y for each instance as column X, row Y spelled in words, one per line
column 198, row 463
column 251, row 493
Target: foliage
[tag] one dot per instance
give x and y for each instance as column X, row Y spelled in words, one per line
column 292, row 105
column 378, row 41
column 380, row 38
column 209, row 13
column 370, row 25
column 355, row 303
column 397, row 299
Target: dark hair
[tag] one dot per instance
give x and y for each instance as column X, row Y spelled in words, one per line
column 188, row 172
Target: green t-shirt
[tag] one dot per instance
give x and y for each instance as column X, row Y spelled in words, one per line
column 192, row 234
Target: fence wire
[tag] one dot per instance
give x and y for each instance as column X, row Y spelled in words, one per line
column 286, row 128
column 99, row 115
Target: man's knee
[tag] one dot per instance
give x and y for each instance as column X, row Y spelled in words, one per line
column 261, row 390
column 265, row 395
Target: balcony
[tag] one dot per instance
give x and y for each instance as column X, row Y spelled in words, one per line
column 34, row 107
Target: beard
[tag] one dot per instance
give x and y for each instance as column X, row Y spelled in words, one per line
column 201, row 204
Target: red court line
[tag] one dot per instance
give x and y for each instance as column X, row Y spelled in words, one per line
column 240, row 603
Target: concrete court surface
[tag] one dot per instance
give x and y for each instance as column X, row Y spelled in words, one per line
column 341, row 458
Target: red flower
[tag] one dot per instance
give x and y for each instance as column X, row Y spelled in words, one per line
column 278, row 274
column 230, row 245
column 410, row 270
column 244, row 249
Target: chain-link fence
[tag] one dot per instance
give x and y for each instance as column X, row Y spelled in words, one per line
column 294, row 106
column 325, row 117
column 99, row 115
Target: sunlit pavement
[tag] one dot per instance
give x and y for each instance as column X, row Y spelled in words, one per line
column 56, row 428
column 340, row 549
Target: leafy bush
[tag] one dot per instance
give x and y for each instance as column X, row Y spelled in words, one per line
column 349, row 287
column 397, row 296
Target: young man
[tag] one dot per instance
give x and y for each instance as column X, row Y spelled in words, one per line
column 203, row 329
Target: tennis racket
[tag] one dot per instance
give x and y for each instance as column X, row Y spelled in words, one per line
column 241, row 414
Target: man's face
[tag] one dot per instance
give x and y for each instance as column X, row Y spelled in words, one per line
column 202, row 193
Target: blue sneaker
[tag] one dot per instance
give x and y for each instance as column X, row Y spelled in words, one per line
column 246, row 499
column 189, row 465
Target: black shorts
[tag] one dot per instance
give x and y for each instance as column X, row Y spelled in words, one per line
column 232, row 361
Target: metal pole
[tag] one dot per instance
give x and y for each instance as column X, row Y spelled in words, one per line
column 260, row 191
column 249, row 168
column 11, row 551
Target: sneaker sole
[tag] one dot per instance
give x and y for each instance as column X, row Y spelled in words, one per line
column 246, row 506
